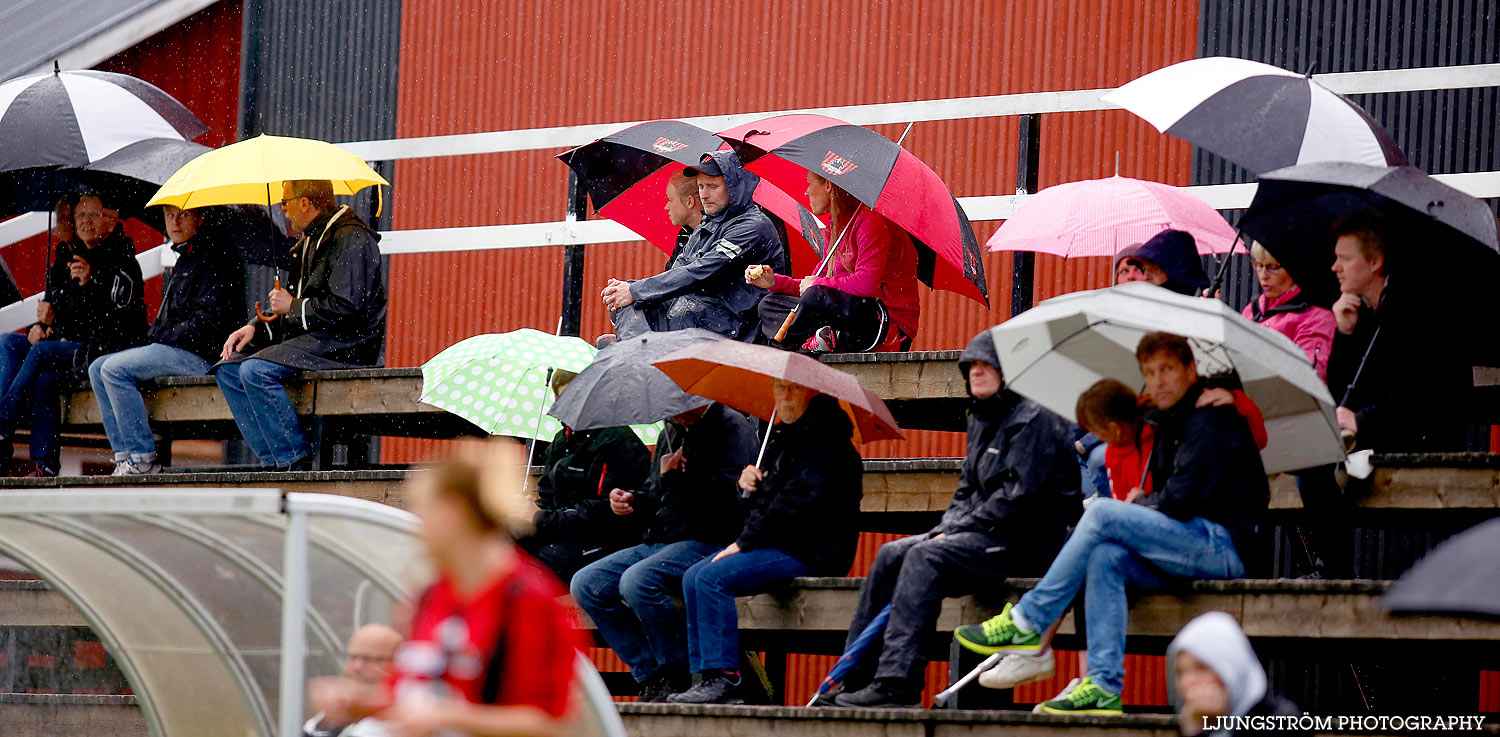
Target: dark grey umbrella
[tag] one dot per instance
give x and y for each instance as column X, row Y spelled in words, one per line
column 621, row 387
column 131, row 175
column 1460, row 577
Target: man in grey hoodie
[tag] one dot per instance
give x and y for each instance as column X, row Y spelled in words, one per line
column 704, row 285
column 1215, row 681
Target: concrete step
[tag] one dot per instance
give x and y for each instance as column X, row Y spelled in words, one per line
column 684, row 720
column 71, row 715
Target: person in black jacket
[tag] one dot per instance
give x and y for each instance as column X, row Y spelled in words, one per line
column 1210, row 492
column 201, row 300
column 332, row 317
column 1018, row 492
column 574, row 525
column 690, row 509
column 97, row 304
column 704, row 286
column 1170, row 260
column 802, row 520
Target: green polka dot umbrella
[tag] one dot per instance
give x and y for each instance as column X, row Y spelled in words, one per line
column 502, row 382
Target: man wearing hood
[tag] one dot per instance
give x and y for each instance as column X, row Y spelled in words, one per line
column 1170, row 260
column 333, row 317
column 1017, row 495
column 1212, row 673
column 703, row 287
column 1209, row 492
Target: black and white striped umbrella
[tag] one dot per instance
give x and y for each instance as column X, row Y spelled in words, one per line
column 78, row 117
column 1256, row 115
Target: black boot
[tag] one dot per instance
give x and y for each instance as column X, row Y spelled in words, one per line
column 664, row 683
column 715, row 688
column 884, row 693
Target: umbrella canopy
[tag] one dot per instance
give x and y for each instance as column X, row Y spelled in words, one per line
column 625, row 174
column 853, row 654
column 73, row 118
column 1256, row 115
column 621, row 387
column 132, row 174
column 249, row 172
column 1457, row 578
column 503, row 382
column 1055, row 351
column 1098, row 217
column 739, row 375
column 1294, row 209
column 880, row 174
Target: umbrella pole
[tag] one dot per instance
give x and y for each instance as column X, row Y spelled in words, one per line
column 1345, row 435
column 942, row 698
column 767, row 441
column 1213, row 288
column 531, row 446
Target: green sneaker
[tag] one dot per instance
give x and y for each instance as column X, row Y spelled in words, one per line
column 1084, row 698
column 998, row 634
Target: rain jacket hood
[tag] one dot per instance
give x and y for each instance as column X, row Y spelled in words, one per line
column 1176, row 253
column 1216, row 639
column 981, row 348
column 740, row 183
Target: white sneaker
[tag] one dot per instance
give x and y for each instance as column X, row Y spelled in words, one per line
column 1018, row 668
column 132, row 468
column 1063, row 694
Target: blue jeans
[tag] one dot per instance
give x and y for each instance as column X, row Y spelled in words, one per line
column 263, row 411
column 1091, row 468
column 709, row 588
column 1118, row 544
column 628, row 594
column 33, row 375
column 114, row 378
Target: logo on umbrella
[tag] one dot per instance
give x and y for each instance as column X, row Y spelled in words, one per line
column 667, row 145
column 838, row 165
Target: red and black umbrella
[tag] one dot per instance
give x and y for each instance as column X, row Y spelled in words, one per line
column 880, row 174
column 625, row 174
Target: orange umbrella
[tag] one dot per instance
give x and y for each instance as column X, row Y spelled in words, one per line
column 739, row 375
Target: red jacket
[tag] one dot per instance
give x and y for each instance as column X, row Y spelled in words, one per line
column 1126, row 463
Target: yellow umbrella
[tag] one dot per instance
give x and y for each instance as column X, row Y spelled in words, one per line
column 246, row 173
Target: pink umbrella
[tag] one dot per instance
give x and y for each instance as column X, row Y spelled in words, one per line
column 1098, row 217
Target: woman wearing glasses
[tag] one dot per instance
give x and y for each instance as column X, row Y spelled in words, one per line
column 1281, row 307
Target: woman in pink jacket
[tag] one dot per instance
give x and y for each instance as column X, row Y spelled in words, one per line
column 864, row 299
column 1281, row 307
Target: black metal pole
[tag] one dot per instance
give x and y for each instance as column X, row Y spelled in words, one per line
column 1023, row 264
column 571, row 322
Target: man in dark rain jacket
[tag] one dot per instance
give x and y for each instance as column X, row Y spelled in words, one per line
column 574, row 524
column 1170, row 260
column 333, row 317
column 691, row 509
column 1017, row 495
column 704, row 286
column 202, row 299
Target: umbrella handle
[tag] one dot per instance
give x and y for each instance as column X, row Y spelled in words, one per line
column 781, row 334
column 263, row 316
column 942, row 698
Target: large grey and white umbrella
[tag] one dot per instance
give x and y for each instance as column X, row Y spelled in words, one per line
column 74, row 118
column 1256, row 115
column 1055, row 351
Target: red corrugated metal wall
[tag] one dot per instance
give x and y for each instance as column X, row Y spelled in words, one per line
column 196, row 61
column 476, row 65
column 472, row 65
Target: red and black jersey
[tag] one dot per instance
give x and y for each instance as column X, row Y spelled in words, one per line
column 511, row 644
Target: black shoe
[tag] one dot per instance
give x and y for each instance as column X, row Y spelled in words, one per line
column 711, row 690
column 305, row 463
column 827, row 699
column 883, row 693
column 663, row 684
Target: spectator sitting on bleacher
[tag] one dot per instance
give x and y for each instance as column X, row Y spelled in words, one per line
column 1212, row 673
column 705, row 287
column 95, row 295
column 574, row 526
column 367, row 661
column 690, row 508
column 866, row 297
column 803, row 520
column 1210, row 492
column 202, row 299
column 1017, row 495
column 335, row 319
column 1170, row 260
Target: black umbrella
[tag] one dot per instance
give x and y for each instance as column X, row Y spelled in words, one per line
column 131, row 175
column 1448, row 233
column 1460, row 577
column 621, row 387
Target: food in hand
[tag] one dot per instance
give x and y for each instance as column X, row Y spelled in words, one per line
column 756, row 272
